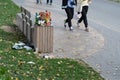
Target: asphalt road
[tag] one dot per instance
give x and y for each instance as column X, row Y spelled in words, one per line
column 104, row 16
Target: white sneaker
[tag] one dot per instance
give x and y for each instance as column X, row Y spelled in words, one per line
column 71, row 28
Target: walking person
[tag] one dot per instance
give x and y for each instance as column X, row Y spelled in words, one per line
column 83, row 9
column 49, row 1
column 68, row 5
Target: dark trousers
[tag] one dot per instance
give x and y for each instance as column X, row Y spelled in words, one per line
column 70, row 13
column 38, row 1
column 84, row 16
column 48, row 1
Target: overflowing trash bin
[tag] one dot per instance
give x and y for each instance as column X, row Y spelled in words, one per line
column 43, row 32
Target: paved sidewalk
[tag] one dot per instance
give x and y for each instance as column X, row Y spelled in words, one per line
column 77, row 44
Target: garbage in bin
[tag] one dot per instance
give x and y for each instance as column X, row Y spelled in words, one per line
column 43, row 18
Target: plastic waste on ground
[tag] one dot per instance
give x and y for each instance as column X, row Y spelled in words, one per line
column 21, row 45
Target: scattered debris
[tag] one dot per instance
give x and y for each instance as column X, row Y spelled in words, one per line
column 27, row 47
column 48, row 56
column 7, row 29
column 21, row 45
column 31, row 62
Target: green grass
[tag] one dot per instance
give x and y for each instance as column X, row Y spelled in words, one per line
column 116, row 1
column 14, row 63
column 7, row 12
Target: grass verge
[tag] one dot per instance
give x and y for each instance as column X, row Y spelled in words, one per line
column 25, row 65
column 116, row 1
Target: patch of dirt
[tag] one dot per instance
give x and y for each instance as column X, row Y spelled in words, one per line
column 8, row 29
column 1, row 3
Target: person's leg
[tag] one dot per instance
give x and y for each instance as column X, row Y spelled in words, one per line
column 81, row 18
column 47, row 1
column 37, row 1
column 72, row 12
column 68, row 20
column 69, row 17
column 50, row 2
column 85, row 10
column 40, row 1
